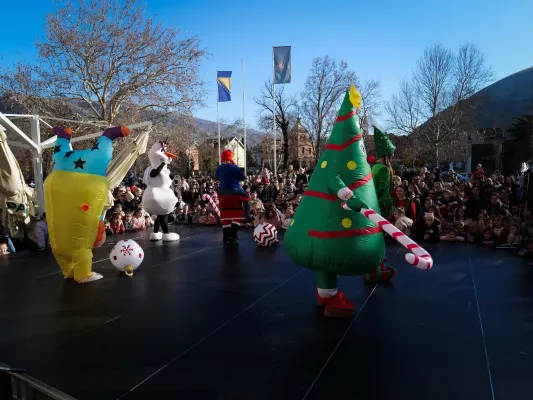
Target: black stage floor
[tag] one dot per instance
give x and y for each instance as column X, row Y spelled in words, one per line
column 200, row 321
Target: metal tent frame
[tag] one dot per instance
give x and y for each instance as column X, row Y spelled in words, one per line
column 34, row 144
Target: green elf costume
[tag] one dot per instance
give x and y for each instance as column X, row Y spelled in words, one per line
column 327, row 234
column 382, row 176
column 381, row 172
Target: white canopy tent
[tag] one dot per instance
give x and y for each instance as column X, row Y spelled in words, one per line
column 123, row 159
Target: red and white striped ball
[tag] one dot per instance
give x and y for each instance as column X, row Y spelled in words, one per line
column 265, row 235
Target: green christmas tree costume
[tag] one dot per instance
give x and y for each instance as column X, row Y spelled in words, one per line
column 325, row 236
column 381, row 173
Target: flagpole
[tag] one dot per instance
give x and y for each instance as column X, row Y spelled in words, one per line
column 274, row 115
column 244, row 118
column 218, row 125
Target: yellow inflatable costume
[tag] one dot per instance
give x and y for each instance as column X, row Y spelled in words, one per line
column 75, row 194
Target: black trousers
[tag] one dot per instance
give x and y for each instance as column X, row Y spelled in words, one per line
column 161, row 222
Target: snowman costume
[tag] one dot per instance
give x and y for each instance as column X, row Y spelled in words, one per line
column 158, row 197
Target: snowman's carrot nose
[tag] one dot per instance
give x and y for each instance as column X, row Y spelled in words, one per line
column 170, row 155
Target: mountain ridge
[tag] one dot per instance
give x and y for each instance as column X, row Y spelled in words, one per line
column 503, row 100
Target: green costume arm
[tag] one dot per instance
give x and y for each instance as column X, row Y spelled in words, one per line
column 337, row 187
column 382, row 181
column 356, row 203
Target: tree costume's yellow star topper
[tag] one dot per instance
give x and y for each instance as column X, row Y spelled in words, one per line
column 355, row 97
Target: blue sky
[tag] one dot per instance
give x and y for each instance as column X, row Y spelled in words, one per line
column 380, row 40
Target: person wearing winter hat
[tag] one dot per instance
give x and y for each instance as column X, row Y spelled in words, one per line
column 382, row 171
column 229, row 176
column 382, row 175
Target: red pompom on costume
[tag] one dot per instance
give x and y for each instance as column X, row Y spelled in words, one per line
column 370, row 160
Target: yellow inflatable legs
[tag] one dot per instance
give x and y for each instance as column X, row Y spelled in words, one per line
column 73, row 203
column 78, row 267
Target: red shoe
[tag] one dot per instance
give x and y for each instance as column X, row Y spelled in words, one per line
column 381, row 274
column 337, row 306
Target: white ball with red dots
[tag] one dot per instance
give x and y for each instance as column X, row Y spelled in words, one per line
column 126, row 252
column 265, row 235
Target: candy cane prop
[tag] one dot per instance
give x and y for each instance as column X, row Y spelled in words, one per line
column 418, row 257
column 212, row 202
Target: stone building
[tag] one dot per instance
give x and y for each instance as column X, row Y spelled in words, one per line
column 300, row 149
column 234, row 144
column 193, row 156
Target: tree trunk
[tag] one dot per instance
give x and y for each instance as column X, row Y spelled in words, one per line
column 285, row 149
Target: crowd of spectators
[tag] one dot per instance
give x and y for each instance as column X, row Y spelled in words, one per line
column 272, row 200
column 429, row 206
column 486, row 210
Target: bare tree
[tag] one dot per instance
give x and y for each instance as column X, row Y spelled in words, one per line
column 286, row 107
column 441, row 94
column 404, row 109
column 326, row 83
column 105, row 57
column 370, row 104
column 208, row 157
column 412, row 151
column 433, row 79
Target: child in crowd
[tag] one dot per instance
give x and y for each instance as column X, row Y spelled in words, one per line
column 129, row 223
column 272, row 216
column 206, row 217
column 117, row 225
column 41, row 233
column 431, row 229
column 139, row 221
column 195, row 214
column 488, row 238
column 461, row 229
column 3, row 247
column 513, row 239
column 452, row 236
column 499, row 229
column 287, row 218
column 401, row 222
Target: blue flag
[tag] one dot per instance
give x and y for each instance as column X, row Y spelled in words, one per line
column 224, row 85
column 282, row 64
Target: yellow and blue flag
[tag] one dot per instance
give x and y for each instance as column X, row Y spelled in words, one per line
column 224, row 85
column 282, row 64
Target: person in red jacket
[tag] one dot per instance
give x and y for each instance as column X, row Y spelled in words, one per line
column 479, row 173
column 117, row 225
column 401, row 200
